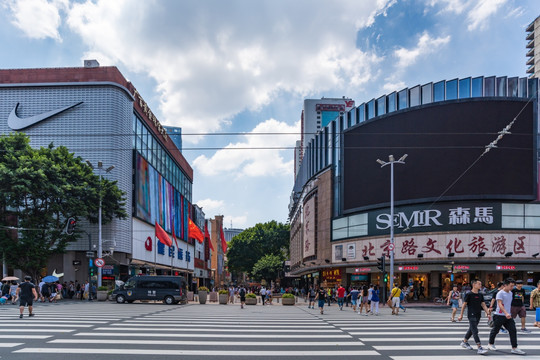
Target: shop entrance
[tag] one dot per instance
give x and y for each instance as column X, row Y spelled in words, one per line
column 448, row 280
column 418, row 286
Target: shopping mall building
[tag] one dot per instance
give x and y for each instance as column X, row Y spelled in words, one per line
column 109, row 124
column 466, row 196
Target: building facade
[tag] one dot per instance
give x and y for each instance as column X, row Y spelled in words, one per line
column 466, row 199
column 108, row 124
column 533, row 48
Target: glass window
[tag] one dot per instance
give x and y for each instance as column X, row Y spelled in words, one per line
column 438, row 91
column 501, row 86
column 359, row 219
column 403, row 101
column 532, row 210
column 359, row 230
column 532, row 86
column 512, row 222
column 477, row 86
column 361, row 110
column 391, row 99
column 427, row 93
column 381, row 105
column 339, row 233
column 340, row 223
column 371, row 109
column 513, row 86
column 465, row 88
column 489, row 86
column 414, row 96
column 532, row 222
column 522, row 89
column 451, row 89
column 513, row 209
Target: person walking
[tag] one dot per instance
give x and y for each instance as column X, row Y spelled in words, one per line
column 312, row 295
column 518, row 307
column 354, row 297
column 364, row 302
column 395, row 296
column 27, row 294
column 402, row 299
column 242, row 294
column 535, row 304
column 231, row 294
column 340, row 296
column 503, row 318
column 493, row 302
column 474, row 302
column 263, row 294
column 321, row 297
column 375, row 301
column 13, row 292
column 453, row 300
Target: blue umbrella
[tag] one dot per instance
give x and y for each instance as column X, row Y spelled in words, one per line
column 50, row 279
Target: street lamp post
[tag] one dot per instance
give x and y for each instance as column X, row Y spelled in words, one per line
column 100, row 239
column 391, row 161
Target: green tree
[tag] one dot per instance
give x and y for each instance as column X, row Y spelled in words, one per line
column 268, row 267
column 252, row 244
column 39, row 190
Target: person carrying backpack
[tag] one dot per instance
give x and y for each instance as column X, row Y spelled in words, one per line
column 242, row 294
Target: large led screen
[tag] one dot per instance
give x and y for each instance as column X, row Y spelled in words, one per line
column 442, row 142
column 157, row 200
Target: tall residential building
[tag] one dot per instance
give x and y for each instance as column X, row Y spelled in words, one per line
column 533, row 48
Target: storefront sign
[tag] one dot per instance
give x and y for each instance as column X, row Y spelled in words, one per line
column 146, row 110
column 505, row 267
column 408, row 268
column 461, row 267
column 362, row 270
column 309, row 227
column 363, row 277
column 332, row 274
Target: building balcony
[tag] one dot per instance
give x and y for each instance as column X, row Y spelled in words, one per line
column 530, row 70
column 530, row 52
column 530, row 44
column 530, row 36
column 530, row 61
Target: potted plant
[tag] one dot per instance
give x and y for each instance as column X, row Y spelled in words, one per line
column 288, row 299
column 102, row 293
column 223, row 297
column 251, row 299
column 203, row 294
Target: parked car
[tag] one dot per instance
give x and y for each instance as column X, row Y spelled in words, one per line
column 527, row 301
column 169, row 289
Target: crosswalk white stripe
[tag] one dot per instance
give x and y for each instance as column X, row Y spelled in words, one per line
column 8, row 345
column 37, row 330
column 228, row 326
column 206, row 343
column 405, row 328
column 440, row 339
column 215, row 330
column 41, row 320
column 415, row 333
column 459, row 357
column 239, row 322
column 35, row 324
column 260, row 336
column 24, row 337
column 445, row 347
column 155, row 352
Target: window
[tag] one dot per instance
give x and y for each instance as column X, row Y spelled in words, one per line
column 501, row 86
column 427, row 94
column 477, row 87
column 451, row 90
column 414, row 96
column 381, row 105
column 403, row 101
column 438, row 91
column 361, row 113
column 465, row 88
column 371, row 109
column 391, row 99
column 489, row 86
column 513, row 86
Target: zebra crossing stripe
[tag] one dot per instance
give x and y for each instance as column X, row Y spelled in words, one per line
column 229, row 326
column 491, row 356
column 206, row 343
column 188, row 335
column 216, row 330
column 25, row 337
column 37, row 330
column 441, row 339
column 156, row 352
column 34, row 325
column 445, row 347
column 8, row 345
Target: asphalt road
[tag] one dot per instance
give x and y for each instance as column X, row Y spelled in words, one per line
column 82, row 330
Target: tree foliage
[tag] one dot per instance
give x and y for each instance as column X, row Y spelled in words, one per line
column 39, row 190
column 268, row 267
column 252, row 244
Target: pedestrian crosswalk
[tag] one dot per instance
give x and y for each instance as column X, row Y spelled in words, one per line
column 152, row 331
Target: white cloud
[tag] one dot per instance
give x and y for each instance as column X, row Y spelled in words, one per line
column 238, row 222
column 479, row 15
column 246, row 158
column 426, row 45
column 211, row 207
column 452, row 6
column 214, row 59
column 38, row 19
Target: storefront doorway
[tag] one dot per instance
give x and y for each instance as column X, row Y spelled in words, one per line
column 418, row 286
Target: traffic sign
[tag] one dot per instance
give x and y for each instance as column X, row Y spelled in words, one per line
column 391, row 247
column 99, row 262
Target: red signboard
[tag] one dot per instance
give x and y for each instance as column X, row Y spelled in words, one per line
column 461, row 267
column 506, row 267
column 407, row 268
column 332, row 274
column 362, row 270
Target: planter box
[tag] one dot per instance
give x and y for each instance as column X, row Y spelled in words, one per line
column 251, row 301
column 202, row 297
column 288, row 301
column 223, row 299
column 102, row 295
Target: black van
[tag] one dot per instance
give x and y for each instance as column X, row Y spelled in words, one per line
column 170, row 289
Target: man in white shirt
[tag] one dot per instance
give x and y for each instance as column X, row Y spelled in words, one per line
column 263, row 294
column 502, row 317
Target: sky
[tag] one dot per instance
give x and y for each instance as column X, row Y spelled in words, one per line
column 227, row 71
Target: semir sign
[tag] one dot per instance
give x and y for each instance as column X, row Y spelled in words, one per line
column 418, row 218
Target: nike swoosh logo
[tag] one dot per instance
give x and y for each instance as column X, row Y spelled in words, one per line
column 17, row 123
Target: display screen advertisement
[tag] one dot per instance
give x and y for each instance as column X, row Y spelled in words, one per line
column 157, row 200
column 442, row 141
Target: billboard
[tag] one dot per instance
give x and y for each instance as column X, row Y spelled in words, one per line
column 157, row 200
column 309, row 227
column 443, row 142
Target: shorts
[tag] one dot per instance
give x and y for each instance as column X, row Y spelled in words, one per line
column 321, row 303
column 26, row 302
column 365, row 300
column 395, row 301
column 454, row 303
column 353, row 301
column 518, row 310
column 311, row 298
column 242, row 299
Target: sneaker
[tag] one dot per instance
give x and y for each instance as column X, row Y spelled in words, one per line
column 20, row 316
column 33, row 315
column 518, row 351
column 492, row 347
column 526, row 331
column 366, row 314
column 404, row 309
column 503, row 331
column 481, row 351
column 466, row 345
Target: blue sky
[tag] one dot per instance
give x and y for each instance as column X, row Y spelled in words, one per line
column 245, row 66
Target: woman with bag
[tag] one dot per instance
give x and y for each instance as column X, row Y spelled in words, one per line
column 453, row 299
column 535, row 304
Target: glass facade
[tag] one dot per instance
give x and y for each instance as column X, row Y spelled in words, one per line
column 465, row 88
column 452, row 89
column 414, row 96
column 427, row 94
column 438, row 91
column 150, row 149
